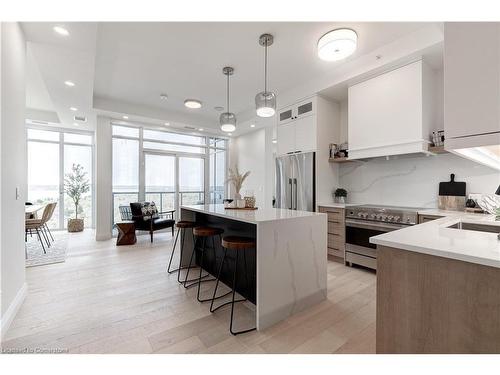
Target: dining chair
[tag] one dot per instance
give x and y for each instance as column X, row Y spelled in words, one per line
column 52, row 207
column 38, row 225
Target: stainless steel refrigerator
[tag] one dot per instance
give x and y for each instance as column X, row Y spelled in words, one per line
column 295, row 181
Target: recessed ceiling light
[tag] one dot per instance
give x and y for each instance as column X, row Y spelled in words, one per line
column 201, row 129
column 192, row 103
column 74, row 109
column 337, row 44
column 61, row 30
column 163, row 96
column 275, row 141
column 125, row 117
column 252, row 125
column 69, row 83
column 219, row 108
column 167, row 124
column 229, row 133
column 75, row 123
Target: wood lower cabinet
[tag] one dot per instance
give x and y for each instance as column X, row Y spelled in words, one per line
column 336, row 231
column 434, row 305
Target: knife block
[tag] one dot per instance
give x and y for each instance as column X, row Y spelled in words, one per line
column 451, row 203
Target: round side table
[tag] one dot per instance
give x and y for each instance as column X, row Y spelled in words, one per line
column 126, row 233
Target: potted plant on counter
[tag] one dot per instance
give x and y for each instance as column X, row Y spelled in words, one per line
column 76, row 184
column 340, row 195
column 237, row 180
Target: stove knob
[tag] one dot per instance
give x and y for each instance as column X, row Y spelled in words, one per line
column 373, row 216
column 397, row 219
column 360, row 214
column 390, row 218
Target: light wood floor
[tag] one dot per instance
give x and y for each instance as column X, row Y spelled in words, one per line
column 108, row 299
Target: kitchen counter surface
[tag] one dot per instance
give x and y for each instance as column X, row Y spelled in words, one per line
column 436, row 238
column 438, row 212
column 336, row 205
column 251, row 216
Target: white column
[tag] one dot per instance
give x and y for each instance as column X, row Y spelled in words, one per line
column 104, row 181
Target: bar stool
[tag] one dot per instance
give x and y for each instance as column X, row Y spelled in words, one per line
column 202, row 232
column 182, row 226
column 238, row 244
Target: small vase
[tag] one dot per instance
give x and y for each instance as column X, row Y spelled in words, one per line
column 340, row 200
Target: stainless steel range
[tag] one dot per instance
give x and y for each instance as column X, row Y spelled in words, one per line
column 365, row 221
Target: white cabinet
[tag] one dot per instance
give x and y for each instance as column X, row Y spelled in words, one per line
column 471, row 83
column 390, row 114
column 297, row 127
column 297, row 135
column 301, row 109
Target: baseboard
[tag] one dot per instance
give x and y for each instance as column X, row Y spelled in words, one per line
column 14, row 307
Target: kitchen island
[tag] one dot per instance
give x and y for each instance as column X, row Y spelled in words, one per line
column 289, row 264
column 438, row 286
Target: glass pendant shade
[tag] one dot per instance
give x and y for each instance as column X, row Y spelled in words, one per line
column 265, row 102
column 227, row 122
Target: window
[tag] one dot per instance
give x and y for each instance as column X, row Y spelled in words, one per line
column 51, row 154
column 168, row 168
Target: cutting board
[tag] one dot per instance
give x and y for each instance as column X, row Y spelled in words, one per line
column 451, row 195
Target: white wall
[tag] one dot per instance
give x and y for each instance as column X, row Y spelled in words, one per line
column 412, row 181
column 251, row 156
column 103, row 179
column 13, row 170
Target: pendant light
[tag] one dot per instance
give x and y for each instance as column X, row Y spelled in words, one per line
column 265, row 101
column 227, row 119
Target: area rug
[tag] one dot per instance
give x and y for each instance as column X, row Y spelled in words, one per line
column 56, row 253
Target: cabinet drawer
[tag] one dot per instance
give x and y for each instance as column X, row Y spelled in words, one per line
column 336, row 228
column 336, row 241
column 426, row 218
column 335, row 217
column 336, row 252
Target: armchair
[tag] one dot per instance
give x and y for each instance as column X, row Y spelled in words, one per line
column 151, row 223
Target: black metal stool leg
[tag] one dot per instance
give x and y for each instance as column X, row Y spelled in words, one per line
column 194, row 281
column 173, row 251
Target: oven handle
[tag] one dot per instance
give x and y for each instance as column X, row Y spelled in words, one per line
column 387, row 227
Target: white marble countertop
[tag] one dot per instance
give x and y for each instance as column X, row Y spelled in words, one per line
column 436, row 238
column 250, row 216
column 438, row 212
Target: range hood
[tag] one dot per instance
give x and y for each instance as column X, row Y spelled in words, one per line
column 483, row 149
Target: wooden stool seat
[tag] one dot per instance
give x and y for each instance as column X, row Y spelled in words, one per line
column 238, row 243
column 185, row 224
column 207, row 231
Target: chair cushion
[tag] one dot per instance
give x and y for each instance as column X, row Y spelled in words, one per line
column 161, row 223
column 149, row 211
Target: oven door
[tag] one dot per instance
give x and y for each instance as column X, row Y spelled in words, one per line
column 358, row 233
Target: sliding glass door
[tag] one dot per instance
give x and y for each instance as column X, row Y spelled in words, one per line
column 51, row 155
column 173, row 180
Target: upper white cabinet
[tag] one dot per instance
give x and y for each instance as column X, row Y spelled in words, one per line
column 471, row 84
column 391, row 114
column 297, row 127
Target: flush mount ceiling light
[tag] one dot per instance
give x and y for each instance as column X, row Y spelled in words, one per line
column 201, row 129
column 265, row 101
column 192, row 103
column 337, row 44
column 252, row 126
column 125, row 117
column 74, row 109
column 61, row 30
column 227, row 119
column 69, row 83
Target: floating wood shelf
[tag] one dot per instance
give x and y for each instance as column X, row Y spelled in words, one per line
column 339, row 160
column 437, row 150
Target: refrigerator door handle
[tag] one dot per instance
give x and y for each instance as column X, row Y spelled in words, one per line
column 291, row 194
column 295, row 195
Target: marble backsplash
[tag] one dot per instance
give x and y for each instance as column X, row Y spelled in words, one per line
column 412, row 181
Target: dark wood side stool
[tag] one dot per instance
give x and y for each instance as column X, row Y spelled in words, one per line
column 126, row 233
column 238, row 245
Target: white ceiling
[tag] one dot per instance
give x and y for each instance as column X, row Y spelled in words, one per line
column 124, row 67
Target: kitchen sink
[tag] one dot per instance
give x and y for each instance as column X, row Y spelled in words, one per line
column 477, row 227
